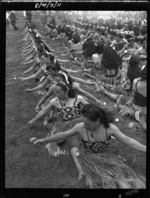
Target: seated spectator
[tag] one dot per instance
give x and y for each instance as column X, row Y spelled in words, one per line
column 135, row 105
column 97, row 57
column 111, row 64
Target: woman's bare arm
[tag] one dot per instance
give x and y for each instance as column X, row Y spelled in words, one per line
column 86, row 94
column 45, row 97
column 81, row 81
column 31, row 68
column 61, row 135
column 127, row 140
column 32, row 76
column 69, row 70
column 119, row 52
column 40, row 86
column 41, row 113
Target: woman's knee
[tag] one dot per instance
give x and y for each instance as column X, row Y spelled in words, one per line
column 122, row 185
column 74, row 150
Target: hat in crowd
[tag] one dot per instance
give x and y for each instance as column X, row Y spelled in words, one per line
column 132, row 39
column 102, row 27
column 112, row 32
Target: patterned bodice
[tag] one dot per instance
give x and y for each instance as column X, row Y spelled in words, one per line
column 125, row 82
column 96, row 146
column 69, row 113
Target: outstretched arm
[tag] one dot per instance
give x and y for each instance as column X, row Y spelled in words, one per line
column 60, row 135
column 138, row 51
column 122, row 50
column 41, row 113
column 69, row 71
column 86, row 94
column 45, row 97
column 81, row 81
column 127, row 140
column 31, row 68
column 40, row 86
column 32, row 76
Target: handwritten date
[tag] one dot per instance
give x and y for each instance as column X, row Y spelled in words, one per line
column 47, row 5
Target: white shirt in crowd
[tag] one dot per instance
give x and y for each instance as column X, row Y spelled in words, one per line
column 7, row 16
column 24, row 13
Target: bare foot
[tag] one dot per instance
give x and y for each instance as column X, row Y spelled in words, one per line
column 120, row 157
column 81, row 175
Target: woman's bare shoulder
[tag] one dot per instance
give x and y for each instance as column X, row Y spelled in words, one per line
column 112, row 129
column 79, row 126
column 75, row 85
column 54, row 101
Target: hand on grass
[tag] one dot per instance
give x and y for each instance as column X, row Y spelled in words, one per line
column 37, row 141
column 21, row 78
column 37, row 108
column 30, row 123
column 99, row 102
column 27, row 90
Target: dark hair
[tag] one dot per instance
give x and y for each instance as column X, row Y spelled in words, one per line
column 136, row 30
column 143, row 30
column 40, row 48
column 51, row 57
column 100, row 47
column 89, row 48
column 133, row 69
column 94, row 112
column 76, row 38
column 55, row 66
column 45, row 54
column 110, row 58
column 71, row 92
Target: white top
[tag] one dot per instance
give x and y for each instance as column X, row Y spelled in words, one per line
column 24, row 13
column 7, row 15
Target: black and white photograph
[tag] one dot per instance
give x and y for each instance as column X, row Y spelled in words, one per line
column 76, row 1
column 75, row 99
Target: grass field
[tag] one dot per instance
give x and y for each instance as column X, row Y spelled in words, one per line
column 28, row 166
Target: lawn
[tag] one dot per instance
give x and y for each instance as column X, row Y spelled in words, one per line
column 28, row 166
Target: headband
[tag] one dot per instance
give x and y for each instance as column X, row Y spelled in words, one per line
column 63, row 83
column 65, row 75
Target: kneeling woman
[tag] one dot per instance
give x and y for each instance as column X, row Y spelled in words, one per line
column 68, row 106
column 102, row 169
column 135, row 105
column 111, row 64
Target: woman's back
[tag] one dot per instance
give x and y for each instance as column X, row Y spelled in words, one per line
column 139, row 92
